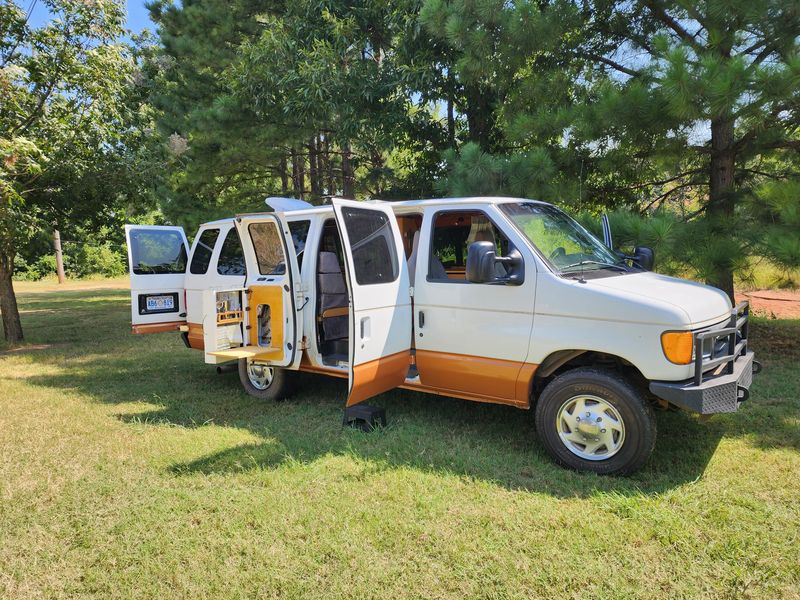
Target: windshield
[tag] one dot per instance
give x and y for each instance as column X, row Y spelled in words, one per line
column 567, row 245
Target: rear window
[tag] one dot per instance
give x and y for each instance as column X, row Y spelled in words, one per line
column 231, row 256
column 268, row 246
column 372, row 244
column 203, row 251
column 157, row 252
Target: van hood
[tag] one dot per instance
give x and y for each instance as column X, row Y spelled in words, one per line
column 704, row 305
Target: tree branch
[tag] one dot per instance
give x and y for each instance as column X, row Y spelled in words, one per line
column 611, row 63
column 662, row 15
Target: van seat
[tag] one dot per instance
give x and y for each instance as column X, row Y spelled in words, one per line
column 333, row 304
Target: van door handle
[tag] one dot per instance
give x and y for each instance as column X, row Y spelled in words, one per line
column 421, row 319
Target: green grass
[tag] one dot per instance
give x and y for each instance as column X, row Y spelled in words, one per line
column 130, row 468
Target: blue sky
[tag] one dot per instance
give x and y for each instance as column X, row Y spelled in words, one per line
column 138, row 16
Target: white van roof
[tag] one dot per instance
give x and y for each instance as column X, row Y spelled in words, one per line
column 299, row 208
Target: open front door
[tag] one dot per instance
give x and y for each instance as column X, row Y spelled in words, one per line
column 274, row 293
column 380, row 302
column 157, row 264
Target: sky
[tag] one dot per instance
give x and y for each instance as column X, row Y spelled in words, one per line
column 138, row 16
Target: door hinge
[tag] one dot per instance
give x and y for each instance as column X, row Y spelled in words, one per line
column 411, row 291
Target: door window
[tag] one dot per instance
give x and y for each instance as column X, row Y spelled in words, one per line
column 155, row 252
column 268, row 247
column 203, row 251
column 453, row 232
column 231, row 256
column 299, row 231
column 372, row 245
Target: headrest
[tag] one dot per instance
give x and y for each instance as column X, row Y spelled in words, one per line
column 328, row 263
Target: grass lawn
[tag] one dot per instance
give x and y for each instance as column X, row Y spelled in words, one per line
column 130, row 468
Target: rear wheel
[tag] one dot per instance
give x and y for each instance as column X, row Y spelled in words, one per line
column 594, row 420
column 264, row 381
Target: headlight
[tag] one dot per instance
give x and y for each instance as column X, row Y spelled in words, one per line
column 678, row 346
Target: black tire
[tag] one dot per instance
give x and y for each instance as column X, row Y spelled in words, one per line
column 279, row 387
column 639, row 421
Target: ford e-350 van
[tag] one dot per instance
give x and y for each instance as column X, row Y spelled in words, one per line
column 488, row 299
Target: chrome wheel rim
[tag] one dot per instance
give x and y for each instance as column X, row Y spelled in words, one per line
column 590, row 427
column 260, row 376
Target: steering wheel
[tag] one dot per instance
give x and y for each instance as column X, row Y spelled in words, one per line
column 558, row 253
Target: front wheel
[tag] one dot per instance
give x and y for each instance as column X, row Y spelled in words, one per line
column 264, row 381
column 594, row 420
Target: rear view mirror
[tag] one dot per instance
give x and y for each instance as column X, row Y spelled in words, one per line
column 644, row 257
column 483, row 265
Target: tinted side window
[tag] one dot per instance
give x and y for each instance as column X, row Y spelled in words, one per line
column 372, row 244
column 231, row 256
column 299, row 231
column 155, row 252
column 268, row 246
column 202, row 252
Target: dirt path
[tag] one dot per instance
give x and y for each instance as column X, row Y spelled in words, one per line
column 776, row 304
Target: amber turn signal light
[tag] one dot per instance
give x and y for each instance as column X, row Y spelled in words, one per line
column 677, row 346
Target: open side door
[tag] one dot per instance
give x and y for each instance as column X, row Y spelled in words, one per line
column 273, row 293
column 380, row 301
column 157, row 258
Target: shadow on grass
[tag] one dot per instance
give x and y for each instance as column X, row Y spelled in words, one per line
column 428, row 433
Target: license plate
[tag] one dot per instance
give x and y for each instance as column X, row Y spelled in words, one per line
column 160, row 303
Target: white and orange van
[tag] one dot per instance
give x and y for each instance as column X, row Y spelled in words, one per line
column 498, row 300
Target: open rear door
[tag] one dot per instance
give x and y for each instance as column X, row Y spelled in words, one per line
column 380, row 301
column 157, row 264
column 273, row 288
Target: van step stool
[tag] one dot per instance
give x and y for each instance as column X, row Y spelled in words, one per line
column 364, row 417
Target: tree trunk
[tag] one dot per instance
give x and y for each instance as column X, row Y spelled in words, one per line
column 451, row 119
column 12, row 326
column 313, row 166
column 282, row 168
column 59, row 256
column 480, row 117
column 301, row 175
column 329, row 167
column 348, row 178
column 722, row 197
column 297, row 175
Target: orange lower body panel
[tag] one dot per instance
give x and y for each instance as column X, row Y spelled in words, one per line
column 156, row 327
column 451, row 375
column 195, row 336
column 476, row 377
column 378, row 376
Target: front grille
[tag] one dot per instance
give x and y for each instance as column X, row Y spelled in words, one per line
column 722, row 346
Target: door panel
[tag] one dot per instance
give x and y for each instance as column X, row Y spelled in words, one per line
column 273, row 287
column 380, row 303
column 472, row 338
column 157, row 265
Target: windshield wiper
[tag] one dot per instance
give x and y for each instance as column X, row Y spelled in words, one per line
column 595, row 262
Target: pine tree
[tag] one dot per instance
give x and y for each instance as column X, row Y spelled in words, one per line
column 656, row 100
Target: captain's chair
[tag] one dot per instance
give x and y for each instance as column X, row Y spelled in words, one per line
column 333, row 304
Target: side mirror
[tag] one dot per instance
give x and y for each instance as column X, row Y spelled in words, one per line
column 481, row 259
column 644, row 257
column 482, row 265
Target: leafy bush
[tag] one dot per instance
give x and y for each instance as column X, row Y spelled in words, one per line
column 94, row 259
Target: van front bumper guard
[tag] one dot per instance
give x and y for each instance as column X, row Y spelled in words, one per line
column 722, row 375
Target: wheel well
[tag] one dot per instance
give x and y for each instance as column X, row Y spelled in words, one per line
column 566, row 360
